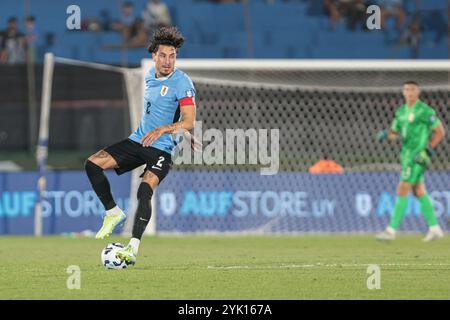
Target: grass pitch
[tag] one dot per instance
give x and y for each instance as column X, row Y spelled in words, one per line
column 208, row 267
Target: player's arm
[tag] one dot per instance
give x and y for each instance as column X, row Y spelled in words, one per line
column 186, row 123
column 438, row 134
column 385, row 134
column 391, row 133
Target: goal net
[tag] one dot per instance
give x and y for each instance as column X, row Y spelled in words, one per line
column 294, row 113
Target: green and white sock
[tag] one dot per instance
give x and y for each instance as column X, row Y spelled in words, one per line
column 427, row 209
column 399, row 212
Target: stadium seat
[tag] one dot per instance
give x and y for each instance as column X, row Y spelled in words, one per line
column 279, row 30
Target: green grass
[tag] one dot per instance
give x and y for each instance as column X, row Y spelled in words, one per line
column 208, row 267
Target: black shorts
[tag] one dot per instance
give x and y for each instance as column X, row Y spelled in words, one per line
column 130, row 155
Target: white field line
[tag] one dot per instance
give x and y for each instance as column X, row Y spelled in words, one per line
column 327, row 265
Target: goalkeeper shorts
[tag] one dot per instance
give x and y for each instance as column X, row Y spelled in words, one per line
column 412, row 172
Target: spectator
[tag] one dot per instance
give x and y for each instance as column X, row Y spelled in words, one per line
column 13, row 44
column 32, row 37
column 354, row 12
column 138, row 36
column 392, row 8
column 155, row 15
column 412, row 36
column 331, row 9
column 126, row 21
column 435, row 23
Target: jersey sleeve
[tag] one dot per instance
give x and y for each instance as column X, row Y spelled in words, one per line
column 395, row 126
column 185, row 92
column 432, row 119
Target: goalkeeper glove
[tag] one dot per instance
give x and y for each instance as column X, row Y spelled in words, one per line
column 429, row 151
column 382, row 135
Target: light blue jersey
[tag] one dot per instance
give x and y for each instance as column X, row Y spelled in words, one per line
column 162, row 105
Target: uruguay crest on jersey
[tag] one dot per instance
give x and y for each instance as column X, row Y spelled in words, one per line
column 164, row 90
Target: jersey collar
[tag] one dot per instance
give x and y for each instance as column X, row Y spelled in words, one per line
column 163, row 78
column 414, row 106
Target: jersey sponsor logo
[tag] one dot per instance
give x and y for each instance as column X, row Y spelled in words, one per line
column 189, row 93
column 411, row 117
column 164, row 90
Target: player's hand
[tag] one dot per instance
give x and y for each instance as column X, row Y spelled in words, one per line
column 196, row 145
column 422, row 158
column 151, row 136
column 382, row 135
column 429, row 151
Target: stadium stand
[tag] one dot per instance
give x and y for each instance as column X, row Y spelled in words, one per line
column 246, row 29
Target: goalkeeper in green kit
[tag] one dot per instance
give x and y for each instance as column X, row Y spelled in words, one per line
column 421, row 131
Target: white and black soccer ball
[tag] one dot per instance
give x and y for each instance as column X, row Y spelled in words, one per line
column 109, row 259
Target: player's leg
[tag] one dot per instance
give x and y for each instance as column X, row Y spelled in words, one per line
column 408, row 178
column 401, row 203
column 94, row 166
column 121, row 156
column 158, row 166
column 426, row 207
column 142, row 217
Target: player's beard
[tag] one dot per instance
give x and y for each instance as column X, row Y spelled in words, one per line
column 163, row 73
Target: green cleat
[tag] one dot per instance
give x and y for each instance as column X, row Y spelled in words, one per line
column 127, row 254
column 109, row 223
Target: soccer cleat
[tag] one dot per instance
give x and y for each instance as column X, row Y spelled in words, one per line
column 109, row 223
column 127, row 254
column 434, row 233
column 385, row 236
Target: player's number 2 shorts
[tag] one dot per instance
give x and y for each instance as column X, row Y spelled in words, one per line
column 130, row 155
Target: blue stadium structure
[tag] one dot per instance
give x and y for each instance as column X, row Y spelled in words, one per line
column 257, row 29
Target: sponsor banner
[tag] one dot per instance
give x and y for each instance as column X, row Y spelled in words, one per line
column 70, row 204
column 290, row 202
column 195, row 201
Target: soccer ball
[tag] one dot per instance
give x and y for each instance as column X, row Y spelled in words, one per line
column 109, row 259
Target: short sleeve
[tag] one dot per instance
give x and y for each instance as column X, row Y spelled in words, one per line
column 185, row 88
column 395, row 126
column 432, row 120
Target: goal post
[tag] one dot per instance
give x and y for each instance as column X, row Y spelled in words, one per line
column 134, row 83
column 42, row 148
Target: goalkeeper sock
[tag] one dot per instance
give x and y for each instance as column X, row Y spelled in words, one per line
column 100, row 184
column 399, row 212
column 144, row 210
column 426, row 206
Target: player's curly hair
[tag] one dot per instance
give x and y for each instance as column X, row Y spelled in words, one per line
column 169, row 36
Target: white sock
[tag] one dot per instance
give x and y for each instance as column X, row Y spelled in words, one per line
column 435, row 228
column 134, row 243
column 390, row 230
column 114, row 211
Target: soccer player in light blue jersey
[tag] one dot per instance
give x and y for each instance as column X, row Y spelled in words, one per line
column 169, row 107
